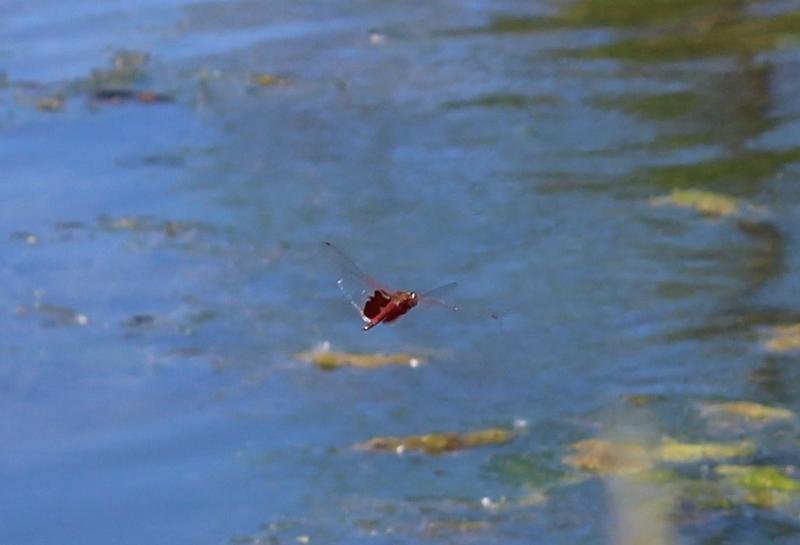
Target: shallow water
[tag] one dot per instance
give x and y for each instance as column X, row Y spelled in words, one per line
column 162, row 263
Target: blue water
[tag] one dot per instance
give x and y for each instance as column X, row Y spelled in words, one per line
column 161, row 263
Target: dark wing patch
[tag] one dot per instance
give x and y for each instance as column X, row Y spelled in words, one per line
column 375, row 303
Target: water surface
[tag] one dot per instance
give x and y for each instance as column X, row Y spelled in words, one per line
column 161, row 261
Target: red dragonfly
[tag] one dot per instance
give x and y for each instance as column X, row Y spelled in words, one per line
column 375, row 302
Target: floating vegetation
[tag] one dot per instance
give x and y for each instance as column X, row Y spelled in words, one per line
column 124, row 223
column 128, row 59
column 783, row 338
column 139, row 321
column 702, row 39
column 643, row 400
column 668, row 30
column 174, row 228
column 704, row 494
column 267, row 80
column 535, row 471
column 728, row 487
column 766, row 499
column 622, row 457
column 663, row 106
column 738, row 170
column 677, row 452
column 746, row 410
column 119, row 96
column 68, row 225
column 705, row 202
column 437, row 528
column 183, row 322
column 44, row 97
column 328, row 359
column 127, row 68
column 53, row 315
column 504, row 101
column 144, row 224
column 52, row 103
column 609, row 457
column 438, row 443
column 187, row 352
column 31, row 239
column 759, row 477
column 765, row 487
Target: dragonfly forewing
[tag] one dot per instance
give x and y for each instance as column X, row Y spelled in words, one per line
column 355, row 284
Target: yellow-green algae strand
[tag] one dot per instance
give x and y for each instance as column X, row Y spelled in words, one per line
column 747, row 410
column 609, row 457
column 328, row 359
column 783, row 338
column 677, row 452
column 438, row 443
column 705, row 202
column 765, row 487
column 759, row 477
column 613, row 458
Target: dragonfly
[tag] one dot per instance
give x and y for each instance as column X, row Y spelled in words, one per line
column 376, row 303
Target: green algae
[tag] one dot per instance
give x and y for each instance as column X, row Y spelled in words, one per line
column 783, row 338
column 705, row 495
column 678, row 452
column 744, row 168
column 705, row 202
column 634, row 14
column 330, row 360
column 606, row 457
column 531, row 470
column 264, row 79
column 127, row 68
column 504, row 101
column 663, row 106
column 445, row 527
column 755, row 478
column 738, row 37
column 52, row 103
column 765, row 487
column 665, row 30
column 747, row 410
column 643, row 400
column 438, row 443
column 620, row 14
column 147, row 224
column 53, row 315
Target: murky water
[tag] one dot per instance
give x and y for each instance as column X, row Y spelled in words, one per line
column 171, row 168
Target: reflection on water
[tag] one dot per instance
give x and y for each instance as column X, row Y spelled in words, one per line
column 614, row 176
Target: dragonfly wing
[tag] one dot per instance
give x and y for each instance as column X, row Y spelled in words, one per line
column 441, row 290
column 433, row 296
column 353, row 297
column 356, row 285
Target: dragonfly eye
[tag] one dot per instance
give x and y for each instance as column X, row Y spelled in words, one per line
column 413, row 295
